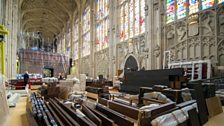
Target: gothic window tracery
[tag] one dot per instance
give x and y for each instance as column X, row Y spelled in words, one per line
column 76, row 41
column 86, row 33
column 207, row 4
column 142, row 16
column 170, row 11
column 132, row 18
column 102, row 26
column 193, row 6
column 177, row 9
column 181, row 9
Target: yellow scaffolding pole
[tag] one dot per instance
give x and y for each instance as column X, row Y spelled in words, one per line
column 2, row 57
column 3, row 32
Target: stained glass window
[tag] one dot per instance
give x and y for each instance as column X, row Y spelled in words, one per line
column 181, row 8
column 76, row 50
column 221, row 1
column 137, row 17
column 170, row 11
column 76, row 30
column 131, row 17
column 86, row 19
column 193, row 6
column 102, row 26
column 207, row 4
column 126, row 22
column 76, row 40
column 142, row 16
column 86, row 33
column 122, row 23
column 68, row 38
column 86, row 44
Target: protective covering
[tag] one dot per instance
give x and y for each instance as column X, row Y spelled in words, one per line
column 4, row 110
column 165, row 120
column 157, row 95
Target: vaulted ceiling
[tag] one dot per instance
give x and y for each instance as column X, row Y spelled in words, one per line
column 48, row 16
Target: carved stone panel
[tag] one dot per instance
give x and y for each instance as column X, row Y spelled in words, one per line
column 135, row 46
column 181, row 31
column 170, row 35
column 221, row 53
column 193, row 25
column 208, row 23
column 220, row 21
column 85, row 65
column 184, row 50
column 191, row 49
column 101, row 63
column 197, row 51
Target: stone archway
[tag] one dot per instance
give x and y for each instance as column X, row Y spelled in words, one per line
column 130, row 64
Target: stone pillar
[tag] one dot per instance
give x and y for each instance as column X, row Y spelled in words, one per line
column 15, row 31
column 148, row 32
column 113, row 28
column 80, row 39
column 92, row 38
column 11, row 39
column 156, row 35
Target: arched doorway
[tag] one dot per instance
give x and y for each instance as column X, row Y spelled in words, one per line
column 48, row 71
column 131, row 64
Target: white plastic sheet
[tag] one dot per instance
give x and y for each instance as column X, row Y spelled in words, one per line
column 180, row 116
column 165, row 120
column 4, row 110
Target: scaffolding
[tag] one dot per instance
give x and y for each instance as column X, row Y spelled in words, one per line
column 195, row 70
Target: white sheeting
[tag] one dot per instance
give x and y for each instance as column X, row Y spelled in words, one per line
column 165, row 120
column 13, row 100
column 157, row 95
column 180, row 116
column 148, row 107
column 174, row 118
column 4, row 110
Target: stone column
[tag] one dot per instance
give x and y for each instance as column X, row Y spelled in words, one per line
column 156, row 35
column 92, row 38
column 148, row 32
column 80, row 39
column 14, row 38
column 112, row 38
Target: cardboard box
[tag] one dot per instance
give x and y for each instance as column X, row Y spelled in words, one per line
column 214, row 106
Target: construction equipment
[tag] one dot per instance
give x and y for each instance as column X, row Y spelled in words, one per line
column 3, row 32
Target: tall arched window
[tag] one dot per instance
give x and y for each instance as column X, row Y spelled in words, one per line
column 181, row 8
column 68, row 42
column 102, row 26
column 142, row 16
column 193, row 6
column 170, row 11
column 132, row 18
column 177, row 9
column 207, row 4
column 86, row 32
column 76, row 41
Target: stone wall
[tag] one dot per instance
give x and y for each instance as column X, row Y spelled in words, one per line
column 102, row 63
column 197, row 37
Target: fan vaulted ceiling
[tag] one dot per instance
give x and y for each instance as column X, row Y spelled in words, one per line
column 47, row 16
